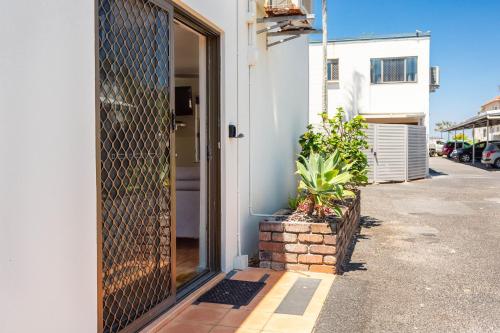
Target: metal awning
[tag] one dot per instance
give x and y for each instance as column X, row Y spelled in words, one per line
column 289, row 27
column 484, row 119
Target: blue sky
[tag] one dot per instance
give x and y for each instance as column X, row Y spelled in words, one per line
column 465, row 43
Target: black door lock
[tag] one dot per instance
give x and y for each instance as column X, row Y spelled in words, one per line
column 233, row 132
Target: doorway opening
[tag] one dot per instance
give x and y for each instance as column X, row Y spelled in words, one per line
column 190, row 166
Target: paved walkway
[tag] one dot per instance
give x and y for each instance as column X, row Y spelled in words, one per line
column 261, row 315
column 427, row 259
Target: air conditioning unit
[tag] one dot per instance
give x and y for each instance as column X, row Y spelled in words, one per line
column 434, row 84
column 287, row 7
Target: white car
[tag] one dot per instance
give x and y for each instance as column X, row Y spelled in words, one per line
column 436, row 147
column 491, row 155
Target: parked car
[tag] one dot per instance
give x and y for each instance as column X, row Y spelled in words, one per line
column 465, row 154
column 450, row 146
column 491, row 155
column 436, row 147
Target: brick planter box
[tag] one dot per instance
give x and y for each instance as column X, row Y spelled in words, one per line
column 317, row 247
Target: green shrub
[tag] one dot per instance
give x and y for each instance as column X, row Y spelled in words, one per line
column 322, row 182
column 346, row 137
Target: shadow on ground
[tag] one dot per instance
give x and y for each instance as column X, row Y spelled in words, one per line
column 478, row 165
column 366, row 222
column 435, row 173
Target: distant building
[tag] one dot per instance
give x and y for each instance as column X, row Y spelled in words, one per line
column 494, row 133
column 387, row 79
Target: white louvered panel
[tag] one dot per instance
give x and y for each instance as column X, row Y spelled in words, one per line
column 417, row 152
column 370, row 133
column 391, row 153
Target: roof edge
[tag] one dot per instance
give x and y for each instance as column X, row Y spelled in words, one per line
column 418, row 34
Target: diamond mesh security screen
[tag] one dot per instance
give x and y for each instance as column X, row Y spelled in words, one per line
column 394, row 70
column 333, row 69
column 135, row 123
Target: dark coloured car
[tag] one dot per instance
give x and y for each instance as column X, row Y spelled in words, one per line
column 450, row 146
column 465, row 154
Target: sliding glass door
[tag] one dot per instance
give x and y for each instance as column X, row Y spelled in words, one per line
column 135, row 143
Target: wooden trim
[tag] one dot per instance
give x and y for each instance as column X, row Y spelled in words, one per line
column 97, row 112
column 214, row 163
column 173, row 192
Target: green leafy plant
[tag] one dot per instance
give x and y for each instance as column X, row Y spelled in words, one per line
column 293, row 202
column 323, row 180
column 461, row 137
column 337, row 135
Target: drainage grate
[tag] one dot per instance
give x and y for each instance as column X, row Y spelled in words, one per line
column 233, row 292
column 298, row 297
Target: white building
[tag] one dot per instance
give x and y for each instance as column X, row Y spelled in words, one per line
column 493, row 133
column 386, row 79
column 88, row 201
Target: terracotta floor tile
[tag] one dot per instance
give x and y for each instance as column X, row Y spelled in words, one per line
column 215, row 305
column 245, row 319
column 204, row 315
column 225, row 329
column 246, row 330
column 254, row 303
column 248, row 275
column 183, row 327
column 289, row 324
column 268, row 304
column 279, row 290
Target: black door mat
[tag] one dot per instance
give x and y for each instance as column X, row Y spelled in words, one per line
column 233, row 292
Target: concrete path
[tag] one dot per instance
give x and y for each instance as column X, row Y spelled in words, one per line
column 427, row 259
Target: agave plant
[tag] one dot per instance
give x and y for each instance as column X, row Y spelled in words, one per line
column 323, row 180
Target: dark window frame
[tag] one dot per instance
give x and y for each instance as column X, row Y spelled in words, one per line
column 333, row 74
column 378, row 65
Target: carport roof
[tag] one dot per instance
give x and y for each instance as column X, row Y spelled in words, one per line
column 483, row 119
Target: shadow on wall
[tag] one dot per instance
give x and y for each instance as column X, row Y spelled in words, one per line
column 354, row 95
column 277, row 117
column 366, row 222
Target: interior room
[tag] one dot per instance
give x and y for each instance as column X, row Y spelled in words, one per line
column 191, row 241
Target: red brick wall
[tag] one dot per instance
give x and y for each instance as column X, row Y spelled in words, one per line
column 316, row 247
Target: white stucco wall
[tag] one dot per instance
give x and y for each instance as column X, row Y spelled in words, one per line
column 268, row 102
column 47, row 180
column 48, row 238
column 354, row 90
column 277, row 116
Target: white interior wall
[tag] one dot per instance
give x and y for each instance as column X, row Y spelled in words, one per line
column 185, row 136
column 187, row 72
column 48, row 238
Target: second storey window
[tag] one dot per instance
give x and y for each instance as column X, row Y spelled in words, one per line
column 332, row 69
column 394, row 70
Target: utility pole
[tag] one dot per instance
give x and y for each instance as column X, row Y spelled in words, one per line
column 325, row 58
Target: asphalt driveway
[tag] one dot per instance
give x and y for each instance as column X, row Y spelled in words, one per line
column 427, row 259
